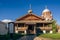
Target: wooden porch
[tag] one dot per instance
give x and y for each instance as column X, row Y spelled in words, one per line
column 32, row 29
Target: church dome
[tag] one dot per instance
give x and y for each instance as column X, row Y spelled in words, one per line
column 46, row 13
column 46, row 10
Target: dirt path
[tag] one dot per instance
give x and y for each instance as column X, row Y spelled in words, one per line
column 40, row 38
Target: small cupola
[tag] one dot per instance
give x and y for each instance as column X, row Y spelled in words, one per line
column 30, row 10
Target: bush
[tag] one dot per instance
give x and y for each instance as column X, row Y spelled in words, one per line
column 54, row 26
column 8, row 36
column 4, row 37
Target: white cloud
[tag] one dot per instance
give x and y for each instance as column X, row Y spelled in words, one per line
column 7, row 20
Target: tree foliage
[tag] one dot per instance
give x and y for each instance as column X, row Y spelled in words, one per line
column 54, row 26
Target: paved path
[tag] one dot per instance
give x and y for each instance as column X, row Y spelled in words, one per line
column 28, row 37
column 33, row 37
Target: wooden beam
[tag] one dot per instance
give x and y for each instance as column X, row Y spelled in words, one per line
column 17, row 26
column 43, row 24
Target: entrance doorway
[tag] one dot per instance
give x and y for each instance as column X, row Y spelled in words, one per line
column 30, row 29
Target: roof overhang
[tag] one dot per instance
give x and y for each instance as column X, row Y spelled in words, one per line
column 30, row 22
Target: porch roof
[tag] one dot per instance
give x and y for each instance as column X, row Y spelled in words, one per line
column 33, row 22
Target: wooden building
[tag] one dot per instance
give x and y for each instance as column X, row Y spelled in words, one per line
column 33, row 24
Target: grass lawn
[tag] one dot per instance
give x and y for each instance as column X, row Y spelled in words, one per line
column 53, row 36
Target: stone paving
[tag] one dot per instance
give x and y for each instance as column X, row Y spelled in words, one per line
column 33, row 37
column 28, row 37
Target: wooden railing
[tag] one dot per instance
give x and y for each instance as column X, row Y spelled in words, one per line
column 45, row 28
column 21, row 28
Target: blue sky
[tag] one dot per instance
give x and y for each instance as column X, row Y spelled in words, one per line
column 12, row 9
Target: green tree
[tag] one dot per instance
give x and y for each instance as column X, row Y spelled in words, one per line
column 54, row 26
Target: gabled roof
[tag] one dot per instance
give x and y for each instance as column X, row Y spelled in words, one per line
column 29, row 15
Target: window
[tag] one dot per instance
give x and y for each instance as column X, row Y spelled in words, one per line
column 20, row 25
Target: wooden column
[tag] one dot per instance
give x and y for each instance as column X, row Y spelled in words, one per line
column 24, row 25
column 48, row 24
column 44, row 31
column 17, row 26
column 25, row 30
column 35, row 29
column 43, row 26
column 16, row 31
